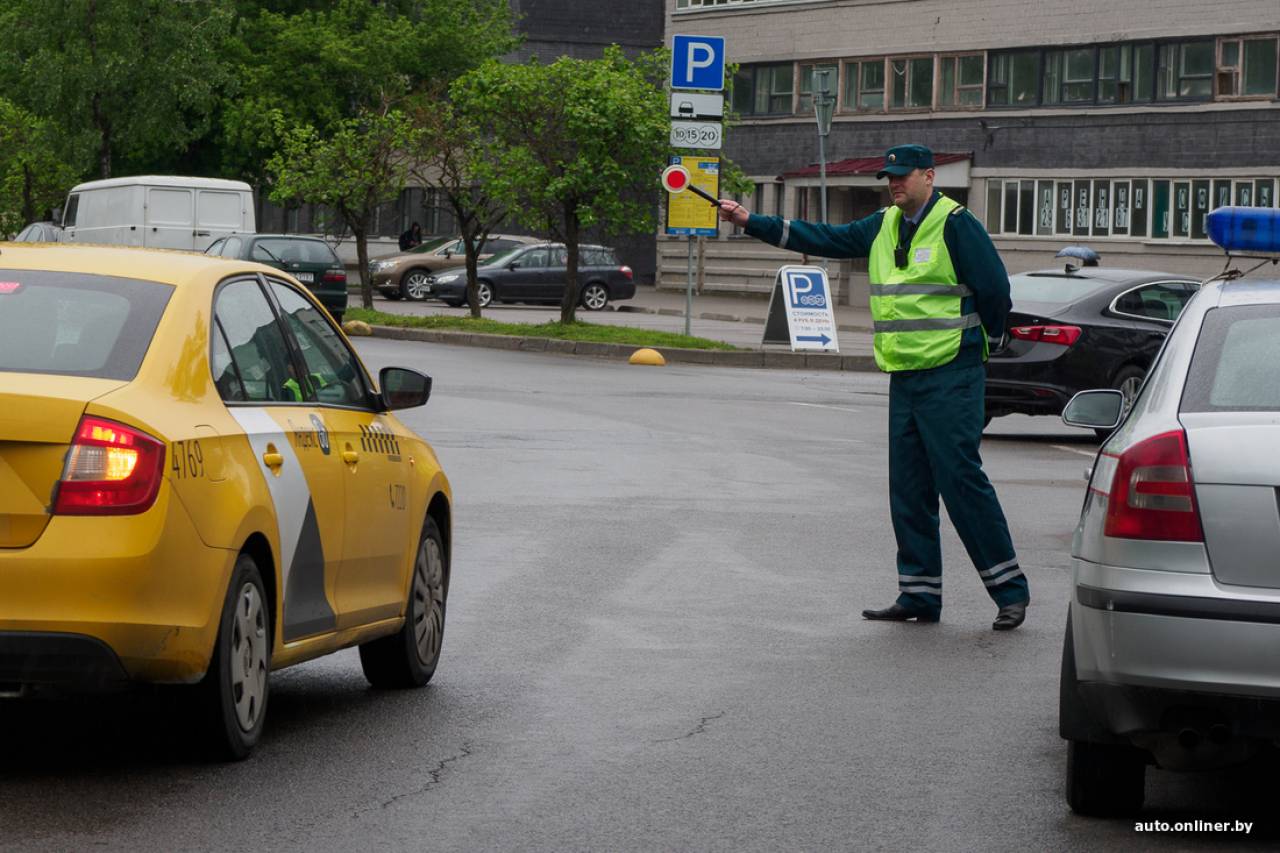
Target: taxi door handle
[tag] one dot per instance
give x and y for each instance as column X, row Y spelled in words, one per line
column 350, row 457
column 272, row 459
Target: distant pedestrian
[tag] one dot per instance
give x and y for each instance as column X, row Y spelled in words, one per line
column 938, row 289
column 411, row 237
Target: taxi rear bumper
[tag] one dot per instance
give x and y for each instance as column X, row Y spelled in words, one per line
column 145, row 588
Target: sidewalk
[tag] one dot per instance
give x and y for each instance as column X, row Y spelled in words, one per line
column 852, row 319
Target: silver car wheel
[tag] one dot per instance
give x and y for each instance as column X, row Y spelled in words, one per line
column 595, row 297
column 249, row 657
column 415, row 285
column 428, row 601
column 484, row 294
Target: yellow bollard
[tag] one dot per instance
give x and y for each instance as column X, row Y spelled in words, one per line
column 647, row 356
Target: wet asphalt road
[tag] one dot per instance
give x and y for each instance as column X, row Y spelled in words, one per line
column 653, row 643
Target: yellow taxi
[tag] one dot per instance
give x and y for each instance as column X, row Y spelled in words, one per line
column 200, row 483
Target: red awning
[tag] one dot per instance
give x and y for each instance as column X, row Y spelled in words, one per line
column 864, row 166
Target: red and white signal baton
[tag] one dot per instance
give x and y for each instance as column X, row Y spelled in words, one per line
column 675, row 179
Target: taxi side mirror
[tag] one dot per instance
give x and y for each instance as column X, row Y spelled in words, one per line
column 403, row 388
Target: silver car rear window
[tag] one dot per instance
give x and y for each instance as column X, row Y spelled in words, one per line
column 1236, row 365
column 76, row 324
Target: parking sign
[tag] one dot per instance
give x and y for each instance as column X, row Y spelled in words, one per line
column 697, row 62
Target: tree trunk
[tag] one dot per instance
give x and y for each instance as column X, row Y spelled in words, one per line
column 569, row 306
column 362, row 261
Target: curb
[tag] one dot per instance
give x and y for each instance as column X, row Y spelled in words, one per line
column 731, row 318
column 720, row 358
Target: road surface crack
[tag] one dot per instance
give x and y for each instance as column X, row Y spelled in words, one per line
column 700, row 728
column 435, row 776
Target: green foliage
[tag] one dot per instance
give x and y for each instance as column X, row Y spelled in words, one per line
column 32, row 177
column 125, row 83
column 325, row 63
column 354, row 167
column 573, row 144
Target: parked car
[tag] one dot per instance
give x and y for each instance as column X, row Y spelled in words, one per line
column 310, row 260
column 204, row 485
column 1080, row 327
column 40, row 232
column 159, row 211
column 405, row 275
column 538, row 274
column 1170, row 648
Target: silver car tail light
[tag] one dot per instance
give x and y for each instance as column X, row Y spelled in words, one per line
column 1151, row 492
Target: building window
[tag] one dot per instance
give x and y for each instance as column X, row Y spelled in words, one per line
column 912, row 83
column 809, row 75
column 864, row 86
column 1069, row 76
column 1014, row 79
column 1141, row 196
column 763, row 89
column 960, row 80
column 1125, row 73
column 1247, row 67
column 1185, row 71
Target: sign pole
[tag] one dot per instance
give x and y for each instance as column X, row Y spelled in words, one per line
column 688, row 291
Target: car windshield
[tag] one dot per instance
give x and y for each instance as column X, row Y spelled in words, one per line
column 430, row 245
column 77, row 324
column 293, row 251
column 1234, row 365
column 1051, row 289
column 505, row 257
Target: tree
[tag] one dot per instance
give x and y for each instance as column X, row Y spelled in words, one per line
column 353, row 169
column 323, row 65
column 122, row 81
column 32, row 178
column 574, row 144
column 445, row 144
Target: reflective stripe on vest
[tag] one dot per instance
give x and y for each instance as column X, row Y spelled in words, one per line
column 916, row 309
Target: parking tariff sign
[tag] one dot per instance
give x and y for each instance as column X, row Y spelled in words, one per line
column 806, row 299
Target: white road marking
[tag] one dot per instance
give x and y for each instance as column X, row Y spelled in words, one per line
column 824, row 406
column 1088, row 453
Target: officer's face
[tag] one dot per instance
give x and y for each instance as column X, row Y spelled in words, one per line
column 911, row 191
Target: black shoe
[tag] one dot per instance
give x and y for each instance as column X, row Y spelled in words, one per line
column 1010, row 616
column 898, row 613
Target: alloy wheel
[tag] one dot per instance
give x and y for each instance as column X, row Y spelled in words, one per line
column 415, row 285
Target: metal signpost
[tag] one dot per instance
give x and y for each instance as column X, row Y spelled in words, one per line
column 697, row 63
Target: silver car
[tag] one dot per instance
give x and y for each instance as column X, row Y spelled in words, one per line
column 1170, row 654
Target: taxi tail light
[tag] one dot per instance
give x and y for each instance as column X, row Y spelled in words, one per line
column 1153, row 493
column 111, row 469
column 334, row 277
column 626, row 270
column 1064, row 335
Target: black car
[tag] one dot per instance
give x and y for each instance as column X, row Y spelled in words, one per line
column 538, row 274
column 1072, row 329
column 308, row 259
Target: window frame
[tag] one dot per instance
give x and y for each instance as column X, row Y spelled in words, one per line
column 851, row 76
column 804, row 100
column 1181, row 45
column 1238, row 71
column 779, row 70
column 909, row 79
column 1188, row 283
column 956, row 86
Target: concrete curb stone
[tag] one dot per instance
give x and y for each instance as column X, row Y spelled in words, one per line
column 722, row 358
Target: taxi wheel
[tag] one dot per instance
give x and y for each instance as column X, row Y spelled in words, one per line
column 234, row 690
column 408, row 657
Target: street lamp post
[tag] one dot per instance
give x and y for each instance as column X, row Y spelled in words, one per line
column 823, row 106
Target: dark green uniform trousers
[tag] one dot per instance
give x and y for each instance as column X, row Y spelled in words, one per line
column 935, row 427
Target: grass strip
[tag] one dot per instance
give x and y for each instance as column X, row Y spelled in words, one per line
column 596, row 333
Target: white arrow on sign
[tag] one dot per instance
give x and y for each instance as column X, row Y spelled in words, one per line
column 696, row 134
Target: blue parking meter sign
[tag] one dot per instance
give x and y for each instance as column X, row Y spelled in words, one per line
column 697, row 62
column 800, row 311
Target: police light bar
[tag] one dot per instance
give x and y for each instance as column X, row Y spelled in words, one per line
column 1245, row 229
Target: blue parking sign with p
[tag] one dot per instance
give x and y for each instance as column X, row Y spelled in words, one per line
column 806, row 290
column 697, row 62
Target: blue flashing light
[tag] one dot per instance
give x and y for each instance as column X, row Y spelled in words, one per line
column 1245, row 229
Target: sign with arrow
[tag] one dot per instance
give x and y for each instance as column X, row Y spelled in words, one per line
column 800, row 310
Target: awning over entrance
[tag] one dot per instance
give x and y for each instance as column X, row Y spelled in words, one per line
column 950, row 170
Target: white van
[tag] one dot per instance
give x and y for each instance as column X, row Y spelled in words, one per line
column 160, row 211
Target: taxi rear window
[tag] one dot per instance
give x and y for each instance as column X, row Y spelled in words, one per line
column 1236, row 364
column 75, row 324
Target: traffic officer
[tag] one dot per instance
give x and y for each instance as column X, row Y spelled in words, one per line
column 938, row 288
